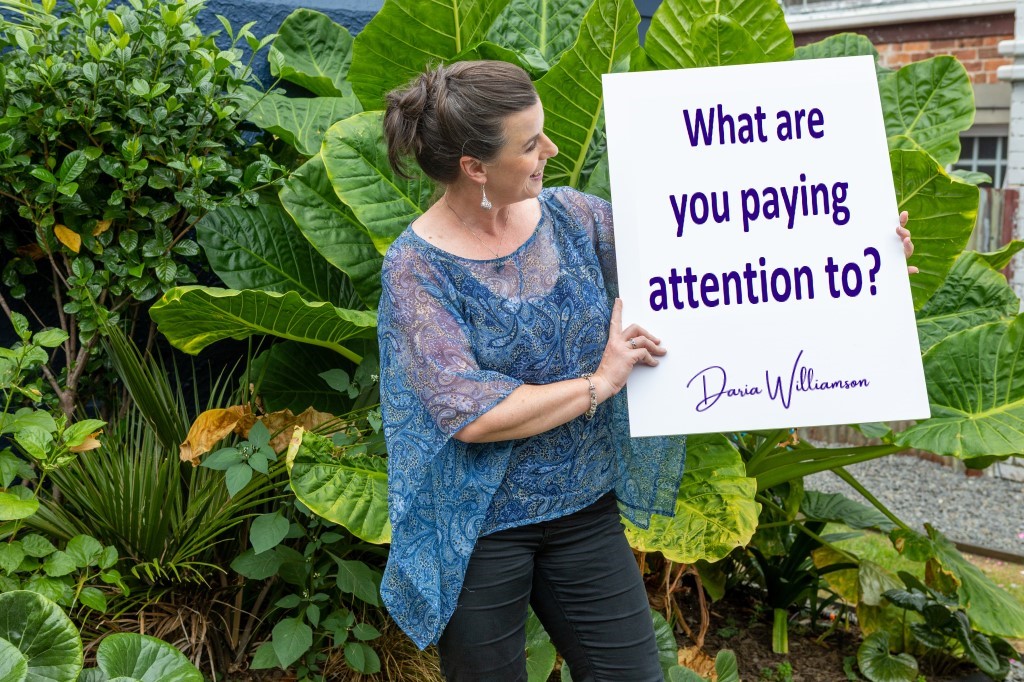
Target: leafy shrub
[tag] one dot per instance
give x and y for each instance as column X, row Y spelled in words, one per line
column 119, row 128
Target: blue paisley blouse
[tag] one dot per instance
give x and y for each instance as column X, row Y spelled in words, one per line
column 456, row 337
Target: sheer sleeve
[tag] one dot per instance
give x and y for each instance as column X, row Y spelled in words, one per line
column 650, row 468
column 596, row 215
column 439, row 488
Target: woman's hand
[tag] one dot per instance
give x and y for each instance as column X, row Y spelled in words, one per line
column 908, row 244
column 626, row 349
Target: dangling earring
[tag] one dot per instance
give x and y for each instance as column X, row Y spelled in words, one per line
column 485, row 203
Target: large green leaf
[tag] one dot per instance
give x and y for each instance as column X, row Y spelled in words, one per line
column 991, row 609
column 43, row 634
column 194, row 317
column 144, row 658
column 599, row 184
column 18, row 503
column 547, row 26
column 261, row 248
column 715, row 508
column 1001, row 258
column 687, row 33
column 942, row 211
column 14, row 665
column 332, row 229
column 540, row 652
column 406, row 35
column 287, row 378
column 879, row 665
column 355, row 156
column 571, row 91
column 973, row 294
column 302, row 121
column 314, row 52
column 841, row 45
column 927, row 105
column 837, row 508
column 529, row 61
column 976, row 392
column 345, row 485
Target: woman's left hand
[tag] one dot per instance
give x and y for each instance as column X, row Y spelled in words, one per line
column 908, row 244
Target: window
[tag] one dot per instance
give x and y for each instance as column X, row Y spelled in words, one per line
column 985, row 154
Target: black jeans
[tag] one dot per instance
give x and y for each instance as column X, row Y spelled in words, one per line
column 580, row 576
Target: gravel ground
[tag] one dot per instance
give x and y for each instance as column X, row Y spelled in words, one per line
column 980, row 510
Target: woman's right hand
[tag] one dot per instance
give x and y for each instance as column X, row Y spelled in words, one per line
column 626, row 348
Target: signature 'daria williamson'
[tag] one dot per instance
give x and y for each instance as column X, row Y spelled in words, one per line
column 712, row 381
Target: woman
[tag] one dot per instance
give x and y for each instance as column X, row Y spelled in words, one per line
column 502, row 361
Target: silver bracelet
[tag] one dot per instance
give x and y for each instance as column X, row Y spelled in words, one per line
column 589, row 414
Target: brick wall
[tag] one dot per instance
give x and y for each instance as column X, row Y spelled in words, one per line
column 974, row 41
column 978, row 54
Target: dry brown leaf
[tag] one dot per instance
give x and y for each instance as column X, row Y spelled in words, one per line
column 30, row 251
column 90, row 443
column 68, row 237
column 699, row 662
column 101, row 227
column 210, row 427
column 282, row 423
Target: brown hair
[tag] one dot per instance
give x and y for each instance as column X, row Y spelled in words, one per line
column 453, row 111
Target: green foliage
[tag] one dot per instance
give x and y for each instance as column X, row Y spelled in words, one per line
column 929, row 103
column 261, row 248
column 715, row 508
column 344, row 479
column 539, row 30
column 405, row 35
column 142, row 658
column 686, row 34
column 540, row 652
column 145, row 109
column 974, row 293
column 45, row 636
column 313, row 52
column 39, row 643
column 314, row 561
column 943, row 210
column 878, row 665
column 944, row 626
column 348, row 204
column 333, row 229
column 571, row 90
column 118, row 129
column 194, row 317
column 979, row 413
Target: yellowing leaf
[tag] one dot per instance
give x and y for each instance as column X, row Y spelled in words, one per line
column 101, row 227
column 696, row 660
column 68, row 237
column 208, row 428
column 90, row 443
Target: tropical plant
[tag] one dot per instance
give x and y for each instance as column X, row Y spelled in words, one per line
column 39, row 643
column 78, row 574
column 342, row 207
column 943, row 628
column 119, row 128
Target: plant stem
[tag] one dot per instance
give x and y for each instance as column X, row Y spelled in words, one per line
column 855, row 484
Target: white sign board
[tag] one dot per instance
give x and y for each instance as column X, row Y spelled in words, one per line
column 755, row 233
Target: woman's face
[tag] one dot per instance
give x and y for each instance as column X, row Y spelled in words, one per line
column 518, row 172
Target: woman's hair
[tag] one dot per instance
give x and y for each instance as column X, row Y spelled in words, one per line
column 453, row 111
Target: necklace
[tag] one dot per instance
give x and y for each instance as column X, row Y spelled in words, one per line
column 501, row 239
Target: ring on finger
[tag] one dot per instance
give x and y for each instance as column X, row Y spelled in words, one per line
column 632, row 343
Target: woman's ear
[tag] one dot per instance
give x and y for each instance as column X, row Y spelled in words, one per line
column 474, row 169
